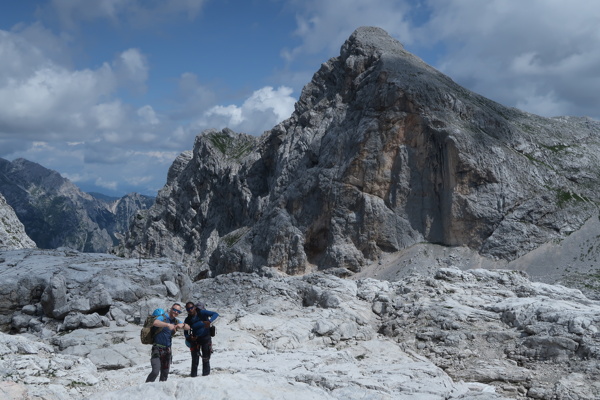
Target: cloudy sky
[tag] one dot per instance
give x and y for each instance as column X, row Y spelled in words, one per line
column 109, row 92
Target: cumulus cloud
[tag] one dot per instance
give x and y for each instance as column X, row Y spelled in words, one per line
column 264, row 109
column 53, row 98
column 498, row 47
column 131, row 68
column 147, row 115
column 108, row 116
column 335, row 21
column 111, row 185
column 41, row 98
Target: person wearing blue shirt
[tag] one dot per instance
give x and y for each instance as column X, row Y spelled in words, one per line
column 197, row 334
column 161, row 356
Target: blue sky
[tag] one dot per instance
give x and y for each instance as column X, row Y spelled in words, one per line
column 109, row 92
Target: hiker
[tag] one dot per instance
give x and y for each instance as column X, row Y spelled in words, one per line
column 197, row 333
column 166, row 326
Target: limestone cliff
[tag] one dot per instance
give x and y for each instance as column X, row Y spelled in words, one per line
column 382, row 152
column 12, row 231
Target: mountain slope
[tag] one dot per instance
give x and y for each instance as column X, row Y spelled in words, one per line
column 57, row 213
column 382, row 152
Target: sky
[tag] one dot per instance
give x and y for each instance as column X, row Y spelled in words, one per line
column 109, row 92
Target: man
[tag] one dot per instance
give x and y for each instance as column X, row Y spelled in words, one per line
column 160, row 358
column 197, row 333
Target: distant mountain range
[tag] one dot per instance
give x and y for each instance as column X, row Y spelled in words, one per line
column 56, row 213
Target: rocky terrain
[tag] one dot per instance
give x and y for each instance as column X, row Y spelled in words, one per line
column 56, row 213
column 383, row 153
column 436, row 334
column 12, row 231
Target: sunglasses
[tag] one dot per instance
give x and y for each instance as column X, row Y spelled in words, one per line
column 189, row 308
column 176, row 310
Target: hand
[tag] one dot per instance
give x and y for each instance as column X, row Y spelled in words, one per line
column 171, row 327
column 207, row 324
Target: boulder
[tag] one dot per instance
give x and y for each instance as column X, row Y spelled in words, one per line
column 55, row 296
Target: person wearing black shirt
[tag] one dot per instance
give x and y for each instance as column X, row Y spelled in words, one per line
column 197, row 335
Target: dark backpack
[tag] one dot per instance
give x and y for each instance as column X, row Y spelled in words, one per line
column 147, row 333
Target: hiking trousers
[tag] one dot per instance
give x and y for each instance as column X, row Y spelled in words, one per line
column 160, row 360
column 201, row 349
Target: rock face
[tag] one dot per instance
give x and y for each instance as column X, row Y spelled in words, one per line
column 381, row 153
column 12, row 231
column 83, row 290
column 56, row 213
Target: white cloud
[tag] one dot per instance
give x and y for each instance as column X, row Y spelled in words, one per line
column 147, row 115
column 43, row 100
column 497, row 47
column 139, row 180
column 264, row 109
column 131, row 68
column 162, row 157
column 111, row 185
column 53, row 98
column 325, row 25
column 108, row 115
column 231, row 115
column 193, row 97
column 20, row 57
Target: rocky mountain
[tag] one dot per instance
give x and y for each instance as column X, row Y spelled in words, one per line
column 381, row 154
column 435, row 334
column 56, row 213
column 12, row 231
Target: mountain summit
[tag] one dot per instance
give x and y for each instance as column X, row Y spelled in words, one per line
column 382, row 152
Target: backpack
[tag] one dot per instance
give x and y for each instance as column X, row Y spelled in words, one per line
column 147, row 333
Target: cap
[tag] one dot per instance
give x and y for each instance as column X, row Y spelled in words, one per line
column 200, row 306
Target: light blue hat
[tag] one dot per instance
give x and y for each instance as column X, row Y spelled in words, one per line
column 158, row 312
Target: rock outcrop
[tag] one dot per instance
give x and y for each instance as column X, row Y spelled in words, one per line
column 12, row 231
column 56, row 213
column 83, row 290
column 382, row 152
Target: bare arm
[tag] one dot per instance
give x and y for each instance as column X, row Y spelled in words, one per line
column 162, row 324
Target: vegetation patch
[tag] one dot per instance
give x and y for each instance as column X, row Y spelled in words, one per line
column 75, row 384
column 556, row 148
column 564, row 196
column 234, row 237
column 221, row 141
column 232, row 148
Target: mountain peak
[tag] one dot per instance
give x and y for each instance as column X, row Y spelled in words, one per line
column 382, row 152
column 368, row 40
